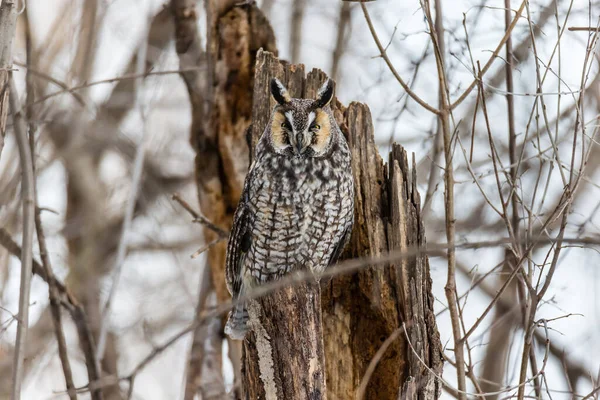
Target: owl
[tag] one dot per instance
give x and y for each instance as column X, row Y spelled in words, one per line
column 297, row 207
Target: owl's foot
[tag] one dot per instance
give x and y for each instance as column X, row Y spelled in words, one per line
column 237, row 323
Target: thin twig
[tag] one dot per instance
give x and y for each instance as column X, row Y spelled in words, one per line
column 512, row 135
column 112, row 80
column 444, row 120
column 199, row 217
column 383, row 54
column 207, row 246
column 437, row 146
column 27, row 190
column 493, row 57
column 52, row 290
column 53, row 80
column 584, row 29
column 495, row 155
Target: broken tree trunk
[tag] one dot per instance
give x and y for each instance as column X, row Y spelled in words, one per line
column 361, row 311
column 284, row 354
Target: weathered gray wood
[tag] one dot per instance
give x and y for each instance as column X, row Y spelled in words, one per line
column 359, row 311
column 284, row 352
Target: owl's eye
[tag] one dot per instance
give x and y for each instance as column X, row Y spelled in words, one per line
column 315, row 127
column 286, row 125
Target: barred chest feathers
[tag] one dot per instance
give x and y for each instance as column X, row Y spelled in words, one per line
column 301, row 208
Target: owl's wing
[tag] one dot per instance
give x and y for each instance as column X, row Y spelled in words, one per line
column 240, row 237
column 340, row 245
column 239, row 243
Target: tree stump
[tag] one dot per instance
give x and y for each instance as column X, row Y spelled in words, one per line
column 314, row 341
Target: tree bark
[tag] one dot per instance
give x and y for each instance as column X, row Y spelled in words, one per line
column 360, row 311
column 285, row 356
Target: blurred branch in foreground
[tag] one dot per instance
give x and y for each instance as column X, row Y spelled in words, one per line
column 8, row 18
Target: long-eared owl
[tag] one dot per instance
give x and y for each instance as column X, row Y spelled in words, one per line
column 297, row 207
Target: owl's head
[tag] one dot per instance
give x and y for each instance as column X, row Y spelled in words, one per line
column 302, row 127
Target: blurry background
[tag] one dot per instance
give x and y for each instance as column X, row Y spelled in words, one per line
column 86, row 141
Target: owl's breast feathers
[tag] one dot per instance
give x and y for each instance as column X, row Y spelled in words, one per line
column 299, row 210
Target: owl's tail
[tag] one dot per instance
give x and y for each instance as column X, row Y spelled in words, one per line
column 237, row 324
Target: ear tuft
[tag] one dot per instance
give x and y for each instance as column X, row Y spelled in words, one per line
column 279, row 92
column 325, row 94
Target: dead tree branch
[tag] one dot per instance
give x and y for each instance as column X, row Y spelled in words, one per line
column 341, row 39
column 296, row 18
column 8, row 18
column 53, row 294
column 450, row 222
column 27, row 195
column 494, row 364
column 383, row 54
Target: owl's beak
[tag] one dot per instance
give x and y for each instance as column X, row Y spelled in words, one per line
column 299, row 142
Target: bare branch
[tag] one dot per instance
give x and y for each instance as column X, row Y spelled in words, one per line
column 437, row 37
column 27, row 189
column 342, row 36
column 8, row 17
column 298, row 9
column 199, row 217
column 52, row 290
column 584, row 29
column 492, row 57
column 383, row 54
